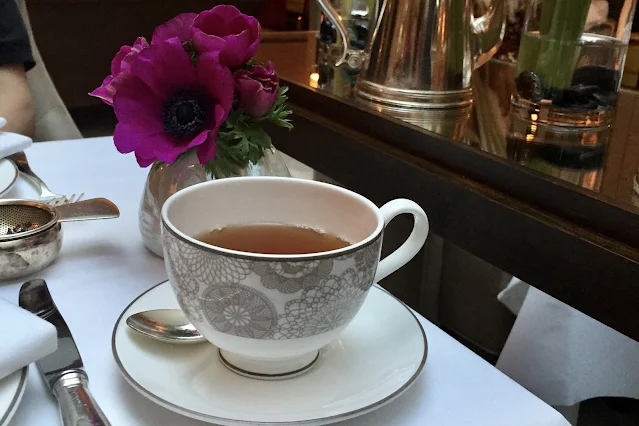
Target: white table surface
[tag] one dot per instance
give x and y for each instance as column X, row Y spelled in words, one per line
column 103, row 266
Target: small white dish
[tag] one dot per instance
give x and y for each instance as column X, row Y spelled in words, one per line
column 376, row 358
column 8, row 176
column 11, row 390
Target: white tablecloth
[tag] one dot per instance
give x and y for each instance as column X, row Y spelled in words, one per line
column 103, row 266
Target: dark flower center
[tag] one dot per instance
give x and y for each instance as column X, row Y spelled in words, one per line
column 184, row 114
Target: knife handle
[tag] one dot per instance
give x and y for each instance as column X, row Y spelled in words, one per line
column 77, row 406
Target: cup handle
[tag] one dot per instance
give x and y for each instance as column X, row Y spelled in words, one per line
column 412, row 245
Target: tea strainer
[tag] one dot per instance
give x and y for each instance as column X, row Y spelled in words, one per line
column 22, row 218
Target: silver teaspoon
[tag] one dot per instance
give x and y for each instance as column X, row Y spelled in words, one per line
column 167, row 325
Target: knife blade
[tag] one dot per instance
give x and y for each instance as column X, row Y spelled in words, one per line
column 63, row 370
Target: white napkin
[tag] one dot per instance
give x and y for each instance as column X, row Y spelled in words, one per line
column 24, row 338
column 565, row 357
column 513, row 295
column 10, row 143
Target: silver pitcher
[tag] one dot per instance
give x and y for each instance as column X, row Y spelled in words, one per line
column 422, row 52
column 357, row 17
column 349, row 53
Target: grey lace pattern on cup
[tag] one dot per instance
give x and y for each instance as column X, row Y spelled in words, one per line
column 239, row 310
column 366, row 264
column 291, row 277
column 321, row 294
column 322, row 308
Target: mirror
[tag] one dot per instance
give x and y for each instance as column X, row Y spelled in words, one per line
column 609, row 176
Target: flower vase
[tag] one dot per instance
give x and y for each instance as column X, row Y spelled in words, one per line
column 569, row 69
column 165, row 180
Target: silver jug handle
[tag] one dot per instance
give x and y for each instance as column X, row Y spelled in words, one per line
column 489, row 32
column 336, row 19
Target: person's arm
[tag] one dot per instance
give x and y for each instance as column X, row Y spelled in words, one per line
column 15, row 101
column 15, row 60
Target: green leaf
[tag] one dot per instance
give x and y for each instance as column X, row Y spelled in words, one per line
column 258, row 136
column 242, row 140
column 252, row 63
column 189, row 47
column 283, row 123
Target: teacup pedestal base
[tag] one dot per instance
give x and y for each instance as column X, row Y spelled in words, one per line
column 268, row 369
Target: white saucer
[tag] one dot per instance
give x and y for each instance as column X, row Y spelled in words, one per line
column 377, row 357
column 11, row 390
column 8, row 175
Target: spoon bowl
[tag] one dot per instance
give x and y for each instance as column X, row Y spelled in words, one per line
column 166, row 325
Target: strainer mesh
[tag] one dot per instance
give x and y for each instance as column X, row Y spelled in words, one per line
column 15, row 219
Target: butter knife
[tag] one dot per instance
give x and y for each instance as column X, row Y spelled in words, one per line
column 62, row 370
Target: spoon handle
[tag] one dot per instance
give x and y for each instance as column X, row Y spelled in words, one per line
column 95, row 208
column 20, row 160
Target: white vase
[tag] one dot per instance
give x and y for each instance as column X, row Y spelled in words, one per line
column 165, row 180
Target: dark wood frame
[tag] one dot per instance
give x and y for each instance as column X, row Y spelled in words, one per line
column 577, row 246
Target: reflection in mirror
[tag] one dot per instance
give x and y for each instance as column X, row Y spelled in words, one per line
column 568, row 74
column 607, row 169
column 420, row 58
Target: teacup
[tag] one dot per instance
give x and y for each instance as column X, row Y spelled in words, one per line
column 271, row 314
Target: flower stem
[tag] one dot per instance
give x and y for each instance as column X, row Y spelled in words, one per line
column 554, row 52
column 457, row 37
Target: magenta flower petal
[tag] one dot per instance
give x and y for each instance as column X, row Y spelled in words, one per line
column 214, row 22
column 225, row 13
column 207, row 43
column 120, row 70
column 118, row 58
column 137, row 105
column 247, row 30
column 166, row 106
column 226, row 29
column 179, row 27
column 257, row 89
column 137, row 108
column 207, row 150
column 200, row 139
column 167, row 148
column 165, row 67
column 144, row 162
column 220, row 88
column 206, row 147
column 105, row 91
column 235, row 53
column 139, row 45
column 125, row 138
column 129, row 138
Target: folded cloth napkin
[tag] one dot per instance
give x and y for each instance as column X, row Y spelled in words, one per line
column 10, row 143
column 562, row 355
column 24, row 338
column 513, row 295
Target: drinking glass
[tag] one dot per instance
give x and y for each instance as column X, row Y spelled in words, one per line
column 569, row 71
